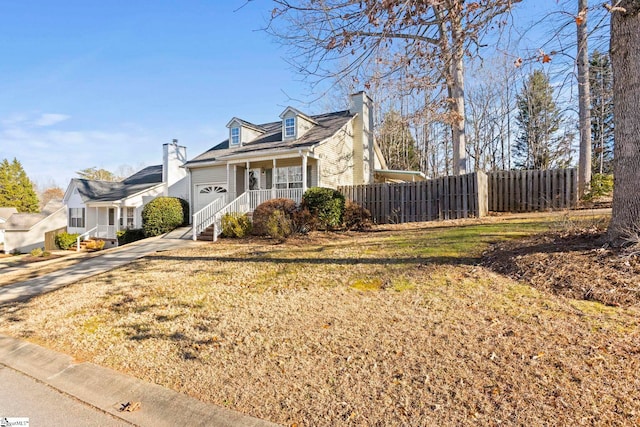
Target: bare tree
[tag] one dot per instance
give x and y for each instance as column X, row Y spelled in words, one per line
column 335, row 38
column 625, row 61
column 584, row 100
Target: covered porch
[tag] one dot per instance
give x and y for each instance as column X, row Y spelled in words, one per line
column 270, row 175
column 103, row 221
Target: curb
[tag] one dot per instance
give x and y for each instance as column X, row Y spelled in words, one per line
column 106, row 390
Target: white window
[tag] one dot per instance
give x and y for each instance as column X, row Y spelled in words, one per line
column 288, row 177
column 127, row 214
column 235, row 136
column 289, row 127
column 213, row 189
column 76, row 217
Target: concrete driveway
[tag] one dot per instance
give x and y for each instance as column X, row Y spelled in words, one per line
column 105, row 261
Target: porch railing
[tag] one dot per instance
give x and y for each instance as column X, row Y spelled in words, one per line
column 247, row 202
column 106, row 231
column 82, row 236
column 99, row 231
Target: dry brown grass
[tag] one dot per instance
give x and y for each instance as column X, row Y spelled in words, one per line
column 394, row 327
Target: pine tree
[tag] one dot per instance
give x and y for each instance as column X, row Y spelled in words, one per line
column 601, row 112
column 539, row 145
column 16, row 189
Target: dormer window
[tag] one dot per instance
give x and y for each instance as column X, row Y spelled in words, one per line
column 235, row 136
column 289, row 127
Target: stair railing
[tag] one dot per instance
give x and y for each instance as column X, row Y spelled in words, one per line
column 82, row 236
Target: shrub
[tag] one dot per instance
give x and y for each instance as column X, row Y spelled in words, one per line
column 262, row 214
column 46, row 254
column 303, row 221
column 326, row 204
column 161, row 215
column 235, row 225
column 95, row 245
column 279, row 226
column 356, row 217
column 37, row 252
column 65, row 240
column 129, row 235
column 601, row 185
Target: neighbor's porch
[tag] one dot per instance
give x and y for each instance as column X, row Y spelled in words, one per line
column 103, row 221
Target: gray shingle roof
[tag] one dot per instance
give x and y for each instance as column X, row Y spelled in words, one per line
column 24, row 221
column 328, row 125
column 5, row 213
column 106, row 191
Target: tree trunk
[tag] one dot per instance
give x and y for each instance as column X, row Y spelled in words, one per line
column 459, row 137
column 625, row 62
column 584, row 101
column 457, row 95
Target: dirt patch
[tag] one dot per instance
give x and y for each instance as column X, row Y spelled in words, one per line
column 576, row 264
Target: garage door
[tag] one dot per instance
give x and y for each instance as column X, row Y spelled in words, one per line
column 207, row 193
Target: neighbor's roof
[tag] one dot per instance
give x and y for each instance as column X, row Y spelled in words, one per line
column 400, row 175
column 24, row 221
column 106, row 191
column 5, row 213
column 271, row 139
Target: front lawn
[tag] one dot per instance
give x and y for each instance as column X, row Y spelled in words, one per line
column 398, row 326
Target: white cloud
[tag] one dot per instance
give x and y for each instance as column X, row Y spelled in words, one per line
column 50, row 119
column 53, row 154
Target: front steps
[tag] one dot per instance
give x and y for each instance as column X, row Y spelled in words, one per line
column 207, row 234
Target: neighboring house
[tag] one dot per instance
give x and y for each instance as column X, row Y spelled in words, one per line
column 5, row 213
column 101, row 208
column 25, row 231
column 284, row 158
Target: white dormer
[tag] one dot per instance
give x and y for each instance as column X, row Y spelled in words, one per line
column 295, row 123
column 241, row 132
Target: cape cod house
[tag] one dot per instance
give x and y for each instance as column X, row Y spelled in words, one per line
column 101, row 208
column 283, row 158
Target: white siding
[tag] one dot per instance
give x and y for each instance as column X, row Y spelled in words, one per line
column 337, row 159
column 208, row 175
column 75, row 201
column 26, row 240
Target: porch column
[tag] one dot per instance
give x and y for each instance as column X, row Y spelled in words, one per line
column 246, row 177
column 229, row 184
column 304, row 172
column 273, row 180
column 117, row 218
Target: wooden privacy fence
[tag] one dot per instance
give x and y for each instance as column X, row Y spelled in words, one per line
column 533, row 190
column 50, row 238
column 449, row 197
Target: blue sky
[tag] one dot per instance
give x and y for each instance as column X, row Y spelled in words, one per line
column 87, row 83
column 105, row 84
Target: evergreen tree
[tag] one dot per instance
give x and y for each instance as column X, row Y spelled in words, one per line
column 396, row 143
column 539, row 145
column 16, row 189
column 601, row 112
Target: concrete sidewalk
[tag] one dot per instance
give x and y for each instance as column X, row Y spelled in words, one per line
column 46, row 386
column 105, row 261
